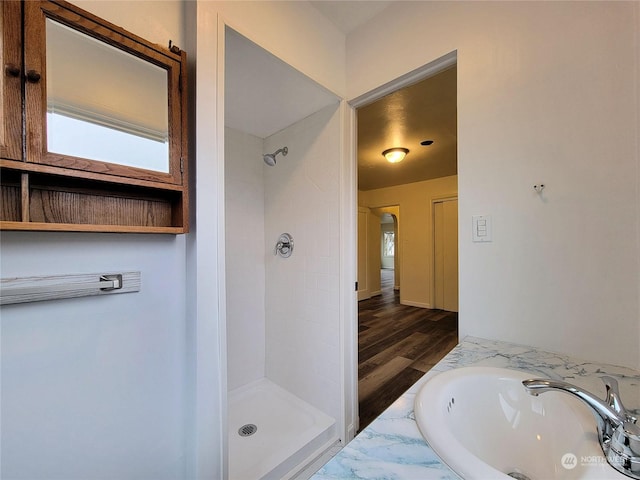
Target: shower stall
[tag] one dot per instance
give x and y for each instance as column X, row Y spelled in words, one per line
column 282, row 244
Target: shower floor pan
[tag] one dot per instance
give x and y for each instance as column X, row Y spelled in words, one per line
column 288, row 433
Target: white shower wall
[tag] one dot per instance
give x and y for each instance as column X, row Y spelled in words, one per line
column 283, row 314
column 245, row 265
column 302, row 292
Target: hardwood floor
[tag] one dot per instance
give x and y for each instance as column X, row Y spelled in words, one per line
column 397, row 344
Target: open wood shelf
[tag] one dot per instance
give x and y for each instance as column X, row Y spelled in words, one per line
column 75, row 227
column 68, row 172
column 43, row 202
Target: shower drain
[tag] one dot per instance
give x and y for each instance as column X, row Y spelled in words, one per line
column 247, row 430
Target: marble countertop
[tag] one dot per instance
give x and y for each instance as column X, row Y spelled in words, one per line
column 392, row 448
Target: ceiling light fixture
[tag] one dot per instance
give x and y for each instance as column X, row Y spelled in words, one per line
column 395, row 155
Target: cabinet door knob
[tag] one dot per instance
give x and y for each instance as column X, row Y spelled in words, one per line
column 33, row 76
column 11, row 70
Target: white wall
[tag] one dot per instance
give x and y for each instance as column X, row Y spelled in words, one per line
column 98, row 387
column 245, row 257
column 303, row 297
column 95, row 387
column 547, row 93
column 157, row 21
column 637, row 62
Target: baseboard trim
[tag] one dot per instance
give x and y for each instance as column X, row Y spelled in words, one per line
column 415, row 304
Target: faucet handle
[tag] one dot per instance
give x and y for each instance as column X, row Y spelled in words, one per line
column 613, row 394
column 613, row 398
column 623, row 451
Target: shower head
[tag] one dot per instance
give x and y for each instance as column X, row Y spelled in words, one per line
column 270, row 158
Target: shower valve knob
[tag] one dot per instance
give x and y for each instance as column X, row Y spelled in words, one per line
column 284, row 247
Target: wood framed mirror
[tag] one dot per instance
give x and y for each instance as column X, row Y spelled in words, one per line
column 99, row 99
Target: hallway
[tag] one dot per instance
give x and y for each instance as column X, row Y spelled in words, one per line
column 397, row 344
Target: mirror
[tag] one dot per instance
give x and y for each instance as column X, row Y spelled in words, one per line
column 103, row 103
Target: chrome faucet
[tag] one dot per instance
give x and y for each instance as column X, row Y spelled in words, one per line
column 617, row 430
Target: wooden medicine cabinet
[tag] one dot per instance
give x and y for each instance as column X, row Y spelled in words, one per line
column 93, row 131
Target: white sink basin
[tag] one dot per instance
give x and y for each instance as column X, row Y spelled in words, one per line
column 484, row 425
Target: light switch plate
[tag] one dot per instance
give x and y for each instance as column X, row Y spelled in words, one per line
column 481, row 228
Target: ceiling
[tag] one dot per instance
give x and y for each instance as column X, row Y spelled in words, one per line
column 263, row 94
column 422, row 111
column 349, row 15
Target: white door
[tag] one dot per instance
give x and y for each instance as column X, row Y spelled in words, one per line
column 445, row 237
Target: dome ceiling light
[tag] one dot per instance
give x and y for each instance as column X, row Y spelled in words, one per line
column 395, row 155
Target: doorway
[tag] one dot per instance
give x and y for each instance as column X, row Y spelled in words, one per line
column 390, row 250
column 378, row 260
column 403, row 330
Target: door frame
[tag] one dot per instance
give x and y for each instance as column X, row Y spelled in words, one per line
column 384, row 208
column 396, row 257
column 350, row 177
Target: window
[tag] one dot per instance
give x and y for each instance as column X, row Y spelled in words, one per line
column 388, row 244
